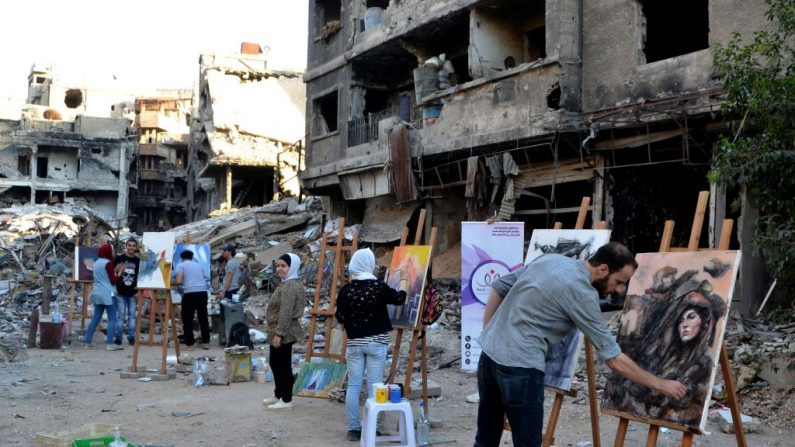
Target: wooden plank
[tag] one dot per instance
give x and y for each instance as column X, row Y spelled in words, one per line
column 668, row 232
column 549, row 436
column 731, row 392
column 654, row 432
column 621, row 432
column 698, row 220
column 582, row 213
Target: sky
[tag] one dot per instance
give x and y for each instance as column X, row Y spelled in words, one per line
column 146, row 44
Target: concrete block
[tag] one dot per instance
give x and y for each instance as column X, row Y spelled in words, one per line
column 434, row 389
column 132, row 375
column 163, row 377
column 725, row 422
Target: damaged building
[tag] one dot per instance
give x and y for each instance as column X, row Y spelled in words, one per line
column 519, row 109
column 247, row 136
column 66, row 146
column 163, row 126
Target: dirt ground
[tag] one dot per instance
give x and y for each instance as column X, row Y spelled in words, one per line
column 52, row 390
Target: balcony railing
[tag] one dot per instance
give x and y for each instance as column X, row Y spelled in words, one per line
column 365, row 129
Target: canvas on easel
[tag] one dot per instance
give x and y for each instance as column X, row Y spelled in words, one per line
column 155, row 269
column 413, row 261
column 561, row 359
column 85, row 257
column 672, row 325
column 201, row 255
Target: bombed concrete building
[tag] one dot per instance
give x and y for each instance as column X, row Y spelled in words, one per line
column 163, row 126
column 518, row 109
column 66, row 146
column 247, row 135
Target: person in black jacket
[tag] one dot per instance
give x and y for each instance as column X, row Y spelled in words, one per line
column 361, row 309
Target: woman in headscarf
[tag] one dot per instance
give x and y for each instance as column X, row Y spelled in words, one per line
column 285, row 307
column 102, row 298
column 361, row 309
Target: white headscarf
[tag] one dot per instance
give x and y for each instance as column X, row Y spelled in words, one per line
column 362, row 264
column 295, row 266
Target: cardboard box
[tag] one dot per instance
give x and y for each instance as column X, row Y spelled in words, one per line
column 238, row 367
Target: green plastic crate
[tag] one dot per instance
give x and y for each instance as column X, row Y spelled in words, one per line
column 65, row 438
column 98, row 442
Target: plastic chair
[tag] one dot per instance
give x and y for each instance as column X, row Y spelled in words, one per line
column 405, row 435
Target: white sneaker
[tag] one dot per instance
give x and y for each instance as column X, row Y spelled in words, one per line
column 280, row 404
column 269, row 401
column 473, row 398
column 114, row 347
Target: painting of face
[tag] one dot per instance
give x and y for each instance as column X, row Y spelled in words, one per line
column 689, row 325
column 672, row 326
column 84, row 263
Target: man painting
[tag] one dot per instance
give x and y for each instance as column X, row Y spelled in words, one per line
column 530, row 310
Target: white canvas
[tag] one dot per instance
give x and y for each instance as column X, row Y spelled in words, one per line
column 155, row 269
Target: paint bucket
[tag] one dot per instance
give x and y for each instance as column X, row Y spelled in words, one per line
column 372, row 17
column 394, row 394
column 381, row 391
column 260, row 376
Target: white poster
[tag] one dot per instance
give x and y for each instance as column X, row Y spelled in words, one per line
column 488, row 251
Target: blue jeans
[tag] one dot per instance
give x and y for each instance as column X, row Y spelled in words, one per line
column 371, row 359
column 125, row 307
column 98, row 309
column 517, row 392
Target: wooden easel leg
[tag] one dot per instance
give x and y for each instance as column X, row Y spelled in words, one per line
column 138, row 311
column 152, row 312
column 164, row 343
column 687, row 439
column 174, row 329
column 424, row 369
column 549, row 436
column 395, row 357
column 72, row 292
column 621, row 432
column 591, row 374
column 654, row 431
column 415, row 335
column 84, row 307
column 731, row 391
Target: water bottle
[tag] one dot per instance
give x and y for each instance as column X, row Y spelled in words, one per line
column 117, row 439
column 423, row 428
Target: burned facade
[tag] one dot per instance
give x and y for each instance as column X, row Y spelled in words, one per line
column 519, row 109
column 247, row 135
column 66, row 146
column 162, row 124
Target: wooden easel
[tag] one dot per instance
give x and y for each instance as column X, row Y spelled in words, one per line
column 417, row 331
column 337, row 276
column 557, row 403
column 169, row 324
column 654, row 427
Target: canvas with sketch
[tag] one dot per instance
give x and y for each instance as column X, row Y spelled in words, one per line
column 412, row 261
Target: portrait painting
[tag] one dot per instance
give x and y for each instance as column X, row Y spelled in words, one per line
column 410, row 262
column 84, row 263
column 155, row 269
column 672, row 325
column 319, row 379
column 561, row 359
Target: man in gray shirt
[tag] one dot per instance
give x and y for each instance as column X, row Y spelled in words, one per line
column 231, row 272
column 530, row 310
column 190, row 276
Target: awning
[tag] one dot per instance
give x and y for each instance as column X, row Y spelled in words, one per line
column 384, row 220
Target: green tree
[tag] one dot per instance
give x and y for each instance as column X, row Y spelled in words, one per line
column 759, row 152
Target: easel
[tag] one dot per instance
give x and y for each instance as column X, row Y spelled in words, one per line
column 665, row 246
column 417, row 331
column 337, row 272
column 73, row 291
column 557, row 403
column 167, row 319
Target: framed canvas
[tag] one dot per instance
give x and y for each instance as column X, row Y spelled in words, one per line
column 413, row 262
column 155, row 269
column 319, row 379
column 84, row 263
column 672, row 326
column 561, row 359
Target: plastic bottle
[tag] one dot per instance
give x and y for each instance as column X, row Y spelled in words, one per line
column 118, row 441
column 423, row 427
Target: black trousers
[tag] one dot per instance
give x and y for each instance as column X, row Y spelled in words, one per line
column 195, row 302
column 281, row 362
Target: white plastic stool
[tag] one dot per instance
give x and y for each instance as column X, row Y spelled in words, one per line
column 406, row 423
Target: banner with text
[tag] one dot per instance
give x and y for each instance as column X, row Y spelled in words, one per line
column 488, row 251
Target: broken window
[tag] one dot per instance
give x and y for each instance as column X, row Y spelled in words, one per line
column 39, row 80
column 41, row 167
column 504, row 35
column 674, row 28
column 324, row 111
column 331, row 10
column 23, row 165
column 73, row 98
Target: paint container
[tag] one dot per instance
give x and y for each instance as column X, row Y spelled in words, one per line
column 260, row 376
column 381, row 391
column 394, row 394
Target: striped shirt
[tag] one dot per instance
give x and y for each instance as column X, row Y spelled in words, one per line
column 380, row 338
